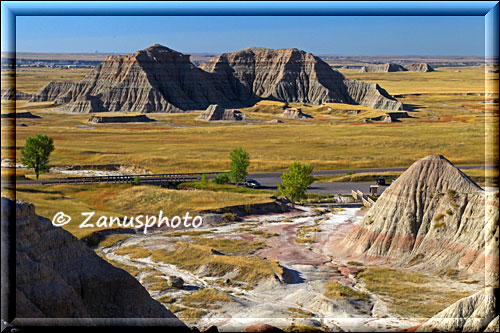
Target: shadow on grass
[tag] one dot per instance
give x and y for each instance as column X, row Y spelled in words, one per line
column 32, row 190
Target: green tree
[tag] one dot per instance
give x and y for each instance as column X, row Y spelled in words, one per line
column 240, row 160
column 294, row 183
column 36, row 151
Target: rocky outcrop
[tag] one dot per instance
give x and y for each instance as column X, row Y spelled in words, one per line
column 11, row 94
column 433, row 216
column 292, row 76
column 58, row 276
column 95, row 119
column 217, row 113
column 420, row 67
column 476, row 313
column 384, row 68
column 294, row 113
column 389, row 117
column 54, row 90
column 159, row 79
column 371, row 95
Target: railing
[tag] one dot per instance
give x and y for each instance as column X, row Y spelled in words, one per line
column 163, row 177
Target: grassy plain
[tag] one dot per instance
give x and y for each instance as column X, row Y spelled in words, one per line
column 124, row 200
column 448, row 117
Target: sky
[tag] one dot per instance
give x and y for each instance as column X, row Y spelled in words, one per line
column 363, row 35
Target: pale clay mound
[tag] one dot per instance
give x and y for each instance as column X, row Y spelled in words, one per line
column 58, row 276
column 217, row 113
column 159, row 79
column 420, row 67
column 432, row 217
column 295, row 114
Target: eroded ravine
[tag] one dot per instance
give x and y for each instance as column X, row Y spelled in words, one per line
column 307, row 265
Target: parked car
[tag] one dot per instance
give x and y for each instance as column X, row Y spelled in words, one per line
column 252, row 183
column 381, row 181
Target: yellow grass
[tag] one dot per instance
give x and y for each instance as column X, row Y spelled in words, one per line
column 444, row 122
column 409, row 294
column 336, row 290
column 121, row 200
column 191, row 257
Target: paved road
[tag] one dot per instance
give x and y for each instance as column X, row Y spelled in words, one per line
column 269, row 180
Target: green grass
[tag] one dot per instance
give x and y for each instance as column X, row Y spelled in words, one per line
column 409, row 294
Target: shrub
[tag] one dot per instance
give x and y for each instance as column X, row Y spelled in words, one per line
column 438, row 217
column 230, row 217
column 439, row 225
column 452, row 193
column 354, row 263
column 221, row 178
column 204, row 180
column 336, row 290
column 136, row 181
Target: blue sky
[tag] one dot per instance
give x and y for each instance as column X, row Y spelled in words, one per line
column 410, row 35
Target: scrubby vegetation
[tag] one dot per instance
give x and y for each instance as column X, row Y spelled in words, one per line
column 134, row 251
column 336, row 290
column 409, row 294
column 206, row 298
column 192, row 257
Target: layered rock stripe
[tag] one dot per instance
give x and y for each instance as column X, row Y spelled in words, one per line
column 159, row 79
column 433, row 216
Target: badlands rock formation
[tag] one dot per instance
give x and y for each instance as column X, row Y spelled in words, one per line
column 294, row 113
column 384, row 68
column 476, row 313
column 293, row 76
column 420, row 67
column 479, row 312
column 159, row 79
column 11, row 94
column 217, row 113
column 433, row 216
column 58, row 276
